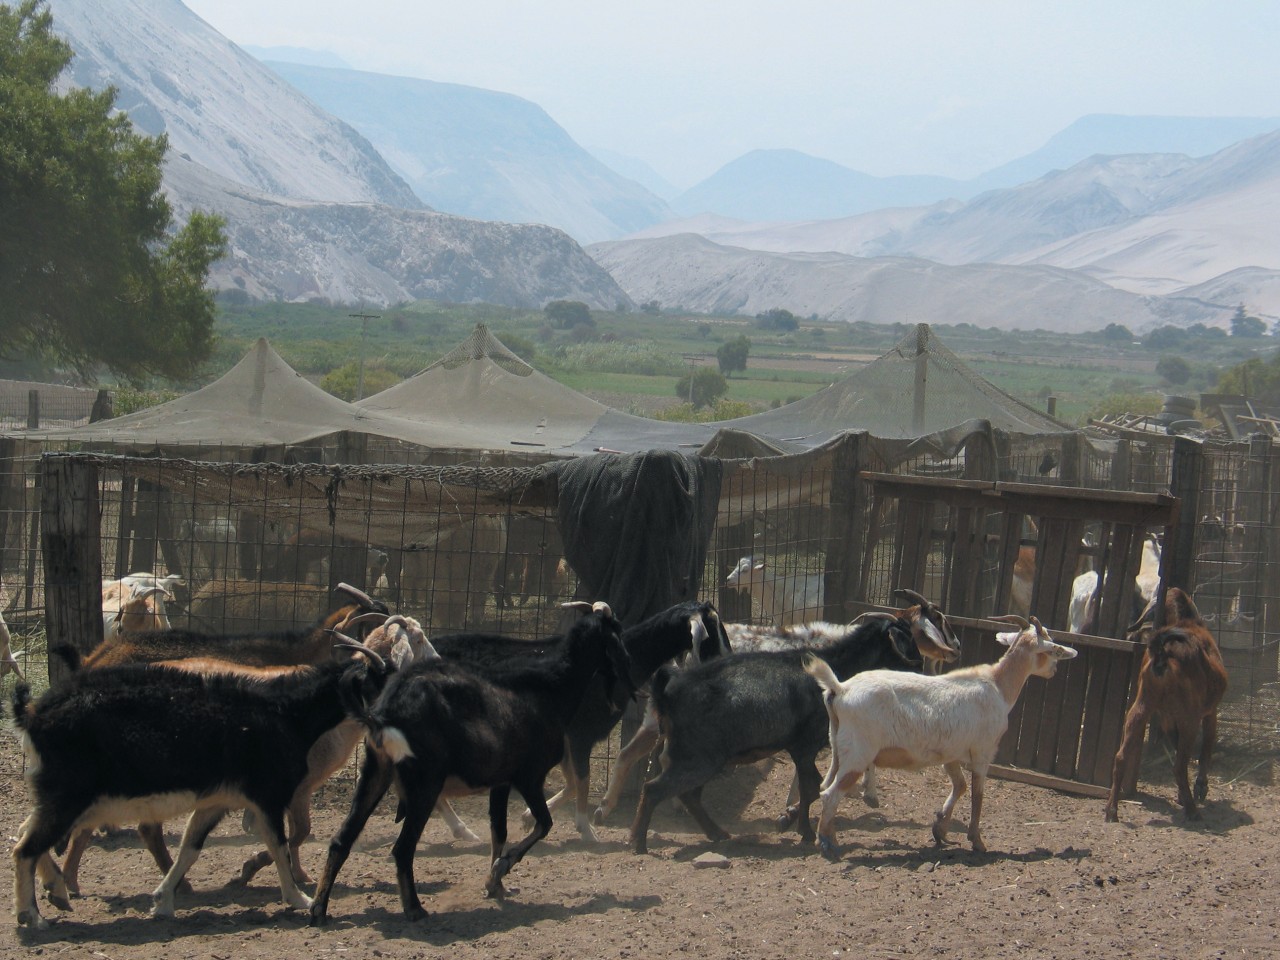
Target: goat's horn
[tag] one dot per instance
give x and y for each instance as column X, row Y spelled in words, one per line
column 1012, row 618
column 355, row 593
column 345, row 641
column 601, row 607
column 872, row 615
column 353, row 619
column 912, row 595
column 582, row 606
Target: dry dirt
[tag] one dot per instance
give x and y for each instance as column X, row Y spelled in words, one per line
column 1058, row 882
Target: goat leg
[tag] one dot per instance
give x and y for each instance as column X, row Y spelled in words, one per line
column 1124, row 768
column 645, row 739
column 371, row 787
column 1208, row 735
column 542, row 826
column 978, row 774
column 199, row 825
column 1181, row 763
column 942, row 821
column 692, row 800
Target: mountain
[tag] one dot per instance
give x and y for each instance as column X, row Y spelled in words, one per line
column 312, row 208
column 790, row 185
column 786, row 185
column 1116, row 135
column 636, row 169
column 219, row 106
column 289, row 249
column 477, row 153
column 692, row 273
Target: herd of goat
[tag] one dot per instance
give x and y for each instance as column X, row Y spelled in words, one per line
column 159, row 722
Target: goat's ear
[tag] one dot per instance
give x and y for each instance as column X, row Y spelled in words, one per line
column 930, row 630
column 903, row 644
column 1007, row 639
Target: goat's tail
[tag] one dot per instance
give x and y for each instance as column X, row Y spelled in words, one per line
column 70, row 655
column 821, row 671
column 1168, row 646
column 21, row 703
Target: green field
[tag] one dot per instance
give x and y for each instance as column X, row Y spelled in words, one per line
column 633, row 360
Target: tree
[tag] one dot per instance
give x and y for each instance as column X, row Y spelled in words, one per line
column 1173, row 369
column 707, row 386
column 91, row 271
column 1163, row 338
column 1117, row 332
column 778, row 319
column 567, row 314
column 1243, row 325
column 732, row 354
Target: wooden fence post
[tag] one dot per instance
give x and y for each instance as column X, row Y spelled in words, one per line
column 847, row 532
column 1177, row 559
column 70, row 539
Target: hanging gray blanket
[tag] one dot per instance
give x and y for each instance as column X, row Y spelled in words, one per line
column 636, row 527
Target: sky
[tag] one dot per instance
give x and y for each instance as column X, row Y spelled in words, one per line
column 948, row 87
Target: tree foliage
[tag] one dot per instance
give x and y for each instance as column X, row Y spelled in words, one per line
column 707, row 387
column 732, row 354
column 344, row 381
column 567, row 314
column 1173, row 369
column 1244, row 325
column 91, row 272
column 1255, row 378
column 778, row 319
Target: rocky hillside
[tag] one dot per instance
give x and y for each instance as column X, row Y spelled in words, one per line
column 693, row 273
column 312, row 208
column 479, row 153
column 366, row 253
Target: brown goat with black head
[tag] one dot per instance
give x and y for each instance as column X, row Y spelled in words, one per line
column 1182, row 682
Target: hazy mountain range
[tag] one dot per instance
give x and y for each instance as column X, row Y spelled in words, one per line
column 365, row 188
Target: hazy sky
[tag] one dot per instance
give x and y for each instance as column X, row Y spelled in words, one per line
column 949, row 87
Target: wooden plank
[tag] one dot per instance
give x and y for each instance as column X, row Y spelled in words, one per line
column 1004, row 772
column 1110, row 718
column 1072, row 681
column 1115, row 605
column 1010, row 543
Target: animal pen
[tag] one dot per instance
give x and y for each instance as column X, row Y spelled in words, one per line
column 498, row 545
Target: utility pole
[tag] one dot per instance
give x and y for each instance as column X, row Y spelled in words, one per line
column 693, row 359
column 364, row 333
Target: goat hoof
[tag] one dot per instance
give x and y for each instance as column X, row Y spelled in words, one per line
column 598, row 817
column 61, row 902
column 829, row 848
column 1202, row 790
column 871, row 800
column 27, row 918
column 319, row 916
column 415, row 914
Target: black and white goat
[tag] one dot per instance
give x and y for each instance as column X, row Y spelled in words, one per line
column 691, row 630
column 283, row 650
column 749, row 706
column 743, row 638
column 146, row 743
column 443, row 726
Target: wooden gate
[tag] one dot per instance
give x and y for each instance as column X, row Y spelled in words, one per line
column 966, row 544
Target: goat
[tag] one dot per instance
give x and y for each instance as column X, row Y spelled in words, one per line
column 136, row 602
column 140, row 742
column 311, row 646
column 8, row 662
column 692, row 628
column 454, row 574
column 749, row 706
column 242, row 606
column 900, row 720
column 791, row 599
column 1181, row 682
column 743, row 638
column 441, row 725
column 1083, row 610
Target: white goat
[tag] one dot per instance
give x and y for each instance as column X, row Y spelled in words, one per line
column 8, row 662
column 908, row 721
column 796, row 599
column 1084, row 589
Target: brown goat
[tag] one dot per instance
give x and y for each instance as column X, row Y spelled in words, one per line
column 1182, row 682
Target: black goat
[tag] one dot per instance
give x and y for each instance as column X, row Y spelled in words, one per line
column 442, row 725
column 749, row 706
column 147, row 743
column 692, row 628
column 312, row 644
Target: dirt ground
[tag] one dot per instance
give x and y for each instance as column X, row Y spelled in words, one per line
column 1058, row 882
